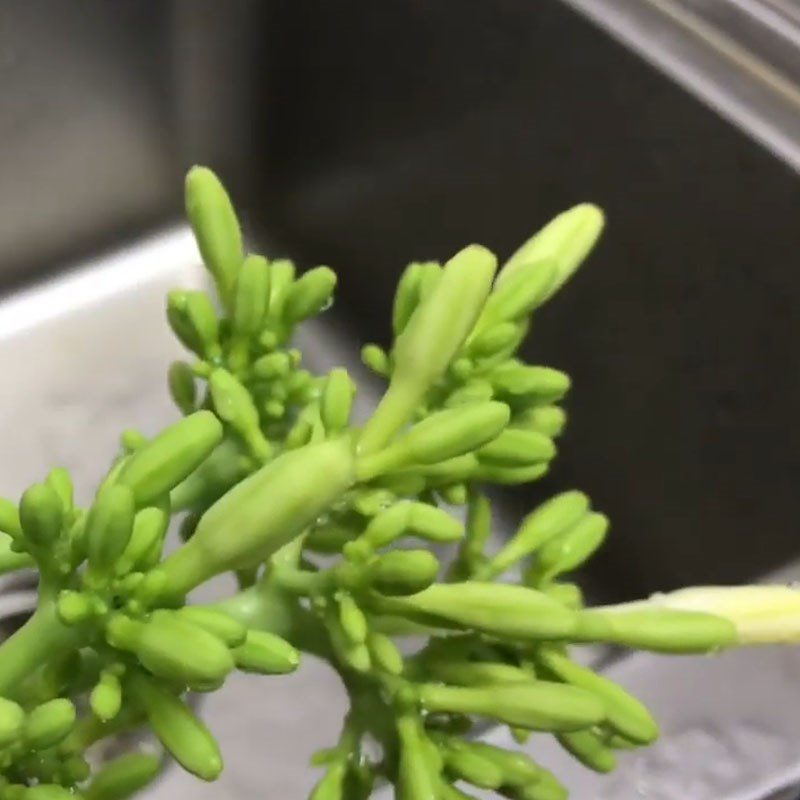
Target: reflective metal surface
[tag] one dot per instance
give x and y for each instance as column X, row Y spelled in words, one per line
column 739, row 56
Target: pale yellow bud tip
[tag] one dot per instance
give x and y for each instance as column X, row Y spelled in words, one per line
column 762, row 614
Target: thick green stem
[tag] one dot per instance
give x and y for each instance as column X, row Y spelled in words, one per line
column 33, row 644
column 369, row 711
column 392, row 413
column 302, row 582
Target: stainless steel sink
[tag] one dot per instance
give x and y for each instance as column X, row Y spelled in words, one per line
column 366, row 135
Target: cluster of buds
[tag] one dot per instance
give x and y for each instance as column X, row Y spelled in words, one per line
column 337, row 535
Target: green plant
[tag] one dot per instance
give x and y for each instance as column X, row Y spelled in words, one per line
column 271, row 481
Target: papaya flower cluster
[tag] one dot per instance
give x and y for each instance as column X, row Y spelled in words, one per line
column 334, row 532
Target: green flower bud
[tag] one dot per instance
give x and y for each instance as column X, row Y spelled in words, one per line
column 406, row 297
column 589, row 749
column 12, row 718
column 123, row 777
column 493, row 339
column 384, row 654
column 282, row 274
column 416, row 779
column 169, row 458
column 510, row 476
column 423, row 520
column 234, row 404
column 302, row 387
column 181, row 324
column 184, row 736
column 109, row 527
column 353, row 656
column 376, row 359
column 761, row 614
column 149, row 529
column 547, row 420
column 266, row 653
column 568, row 550
column 566, row 241
column 434, row 334
column 371, row 502
column 499, row 609
column 41, row 515
column 252, row 296
column 172, row 648
column 387, row 525
column 309, row 295
column 221, row 625
column 461, row 369
column 624, row 713
column 455, row 495
column 272, row 365
column 471, row 393
column 336, row 402
column 555, row 516
column 475, row 673
column 216, row 229
column 473, row 768
column 352, row 620
column 434, row 524
column 439, row 437
column 131, row 440
column 402, row 572
column 201, row 316
column 453, row 432
column 547, row 787
column 538, row 706
column 106, row 697
column 404, row 484
column 518, row 770
column 151, row 588
column 520, row 293
column 75, row 769
column 48, row 723
column 73, row 607
column 60, row 481
column 430, row 275
column 301, row 484
column 299, row 435
column 661, row 630
column 517, row 448
column 541, row 385
column 182, row 388
column 454, row 470
column 520, row 735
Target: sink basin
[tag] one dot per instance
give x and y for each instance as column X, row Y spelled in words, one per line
column 369, row 135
